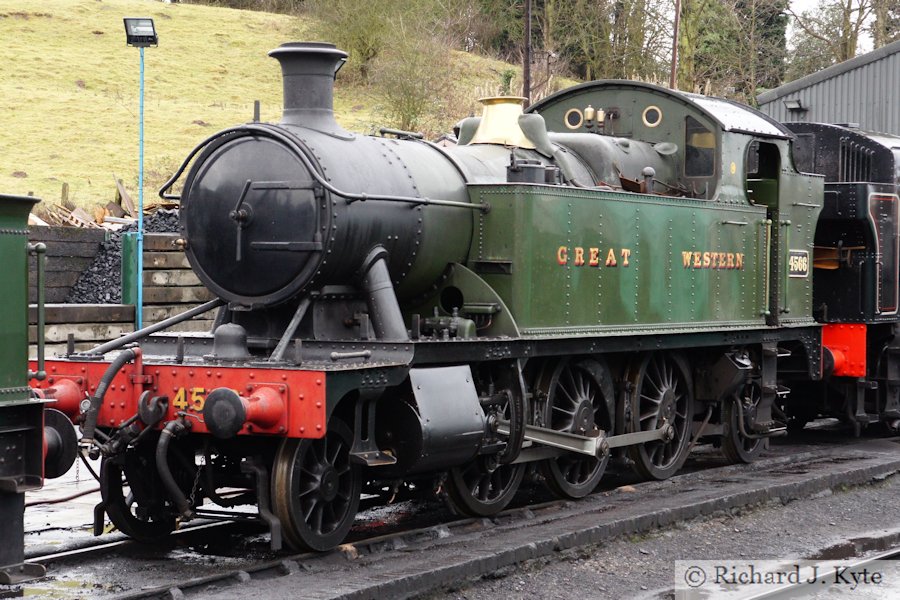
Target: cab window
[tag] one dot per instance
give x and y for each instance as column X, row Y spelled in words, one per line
column 700, row 149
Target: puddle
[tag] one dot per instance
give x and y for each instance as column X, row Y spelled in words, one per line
column 58, row 589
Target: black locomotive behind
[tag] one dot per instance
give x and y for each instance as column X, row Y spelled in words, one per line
column 855, row 290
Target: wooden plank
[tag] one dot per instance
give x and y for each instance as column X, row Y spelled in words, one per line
column 161, row 312
column 66, row 234
column 162, row 242
column 68, row 263
column 71, row 249
column 202, row 325
column 51, row 295
column 84, row 313
column 166, row 260
column 174, row 295
column 58, row 350
column 83, row 332
column 64, row 279
column 170, row 278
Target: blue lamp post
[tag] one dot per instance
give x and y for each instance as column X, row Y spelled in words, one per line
column 140, row 33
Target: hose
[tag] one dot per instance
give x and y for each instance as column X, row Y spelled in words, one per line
column 173, row 429
column 90, row 416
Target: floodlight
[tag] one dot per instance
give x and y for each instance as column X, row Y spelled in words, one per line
column 794, row 105
column 140, row 32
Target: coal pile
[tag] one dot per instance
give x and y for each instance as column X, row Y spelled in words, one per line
column 101, row 283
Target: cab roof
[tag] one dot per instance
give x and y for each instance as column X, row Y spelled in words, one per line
column 728, row 115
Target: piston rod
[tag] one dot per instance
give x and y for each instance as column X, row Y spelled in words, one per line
column 590, row 445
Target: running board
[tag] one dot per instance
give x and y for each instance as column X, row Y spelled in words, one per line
column 596, row 445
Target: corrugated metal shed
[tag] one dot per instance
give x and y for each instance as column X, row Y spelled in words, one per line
column 863, row 90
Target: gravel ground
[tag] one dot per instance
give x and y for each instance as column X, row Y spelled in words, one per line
column 643, row 566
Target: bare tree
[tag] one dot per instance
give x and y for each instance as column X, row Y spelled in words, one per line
column 886, row 25
column 836, row 26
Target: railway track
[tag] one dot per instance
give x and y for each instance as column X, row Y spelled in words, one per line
column 406, row 549
column 820, row 583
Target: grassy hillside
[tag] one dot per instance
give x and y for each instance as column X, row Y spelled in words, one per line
column 69, row 90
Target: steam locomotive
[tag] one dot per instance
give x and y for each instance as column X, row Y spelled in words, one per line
column 620, row 271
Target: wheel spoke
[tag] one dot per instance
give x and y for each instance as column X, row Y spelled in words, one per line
column 569, row 396
column 648, row 415
column 316, row 489
column 562, row 410
column 330, row 518
column 484, row 487
column 663, row 397
column 651, row 399
column 583, row 385
column 317, row 518
column 310, row 489
column 337, row 447
column 570, row 377
column 310, row 506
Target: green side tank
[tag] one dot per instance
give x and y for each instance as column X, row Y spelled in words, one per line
column 14, row 212
column 682, row 213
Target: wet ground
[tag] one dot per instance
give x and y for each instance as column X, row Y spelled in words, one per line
column 643, row 566
column 638, row 564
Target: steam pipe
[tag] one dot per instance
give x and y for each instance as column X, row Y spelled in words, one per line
column 142, row 333
column 380, row 297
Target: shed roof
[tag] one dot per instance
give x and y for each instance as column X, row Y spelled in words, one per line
column 830, row 72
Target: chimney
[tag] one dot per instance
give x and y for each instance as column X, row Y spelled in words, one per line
column 308, row 70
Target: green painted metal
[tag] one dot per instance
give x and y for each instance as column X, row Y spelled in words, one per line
column 800, row 203
column 14, row 305
column 588, row 262
column 129, row 269
column 723, row 254
column 21, row 417
column 462, row 289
